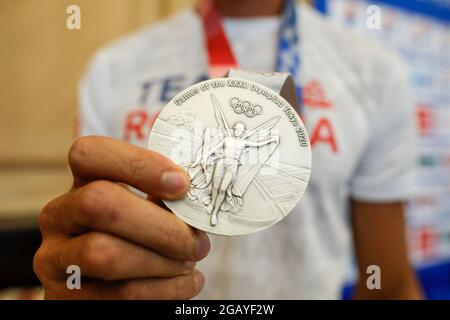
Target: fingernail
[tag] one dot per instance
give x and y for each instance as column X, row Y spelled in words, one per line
column 173, row 181
column 202, row 248
column 199, row 280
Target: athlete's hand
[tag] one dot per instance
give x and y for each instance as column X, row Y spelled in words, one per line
column 126, row 247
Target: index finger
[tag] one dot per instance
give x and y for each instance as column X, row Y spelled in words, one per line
column 104, row 206
column 93, row 158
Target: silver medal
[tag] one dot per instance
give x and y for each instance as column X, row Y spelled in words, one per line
column 245, row 150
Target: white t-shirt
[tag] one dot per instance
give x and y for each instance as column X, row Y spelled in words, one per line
column 254, row 41
column 357, row 110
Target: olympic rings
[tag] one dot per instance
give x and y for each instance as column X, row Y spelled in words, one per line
column 243, row 106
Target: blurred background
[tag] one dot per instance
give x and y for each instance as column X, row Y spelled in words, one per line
column 419, row 31
column 41, row 62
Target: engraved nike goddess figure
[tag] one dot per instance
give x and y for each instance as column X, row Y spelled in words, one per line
column 227, row 154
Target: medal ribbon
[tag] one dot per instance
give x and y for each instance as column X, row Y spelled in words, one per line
column 220, row 54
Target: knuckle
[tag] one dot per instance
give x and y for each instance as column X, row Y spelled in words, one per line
column 97, row 253
column 46, row 214
column 92, row 202
column 79, row 149
column 139, row 166
column 41, row 260
column 37, row 262
column 43, row 221
column 49, row 216
column 148, row 164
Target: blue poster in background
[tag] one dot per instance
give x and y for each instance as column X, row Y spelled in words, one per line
column 436, row 9
column 420, row 32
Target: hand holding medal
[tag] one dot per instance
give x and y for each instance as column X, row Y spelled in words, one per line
column 244, row 150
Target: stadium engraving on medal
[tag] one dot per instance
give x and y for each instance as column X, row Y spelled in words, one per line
column 248, row 165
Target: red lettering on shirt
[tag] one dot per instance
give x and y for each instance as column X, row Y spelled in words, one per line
column 314, row 95
column 135, row 123
column 424, row 119
column 138, row 124
column 323, row 133
column 426, row 241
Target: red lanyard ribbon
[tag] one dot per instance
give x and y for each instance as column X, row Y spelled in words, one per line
column 220, row 54
column 221, row 57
